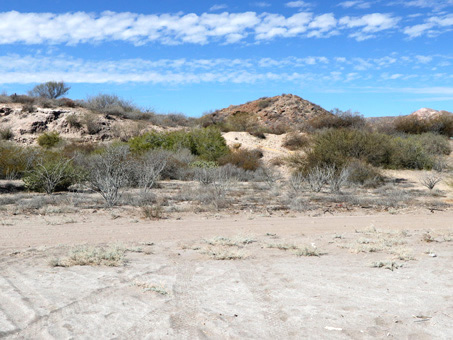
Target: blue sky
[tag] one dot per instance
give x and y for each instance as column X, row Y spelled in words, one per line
column 376, row 57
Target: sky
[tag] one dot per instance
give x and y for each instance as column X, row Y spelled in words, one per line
column 374, row 57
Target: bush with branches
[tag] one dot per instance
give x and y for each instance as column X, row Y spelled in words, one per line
column 109, row 171
column 50, row 90
column 51, row 172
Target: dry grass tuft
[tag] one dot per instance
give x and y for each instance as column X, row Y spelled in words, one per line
column 149, row 287
column 92, row 256
column 391, row 265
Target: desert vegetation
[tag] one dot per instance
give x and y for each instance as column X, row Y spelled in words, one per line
column 335, row 159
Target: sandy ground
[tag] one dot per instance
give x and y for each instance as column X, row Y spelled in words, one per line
column 269, row 293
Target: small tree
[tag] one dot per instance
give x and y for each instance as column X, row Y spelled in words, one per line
column 109, row 172
column 50, row 90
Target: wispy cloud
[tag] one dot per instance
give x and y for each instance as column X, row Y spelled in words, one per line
column 218, row 7
column 261, row 4
column 316, row 69
column 361, row 4
column 298, row 4
column 434, row 4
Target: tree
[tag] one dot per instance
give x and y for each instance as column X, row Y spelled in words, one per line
column 50, row 90
column 109, row 172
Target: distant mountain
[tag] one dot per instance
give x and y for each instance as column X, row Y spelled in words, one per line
column 426, row 113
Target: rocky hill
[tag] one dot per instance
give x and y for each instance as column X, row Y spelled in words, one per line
column 71, row 123
column 284, row 109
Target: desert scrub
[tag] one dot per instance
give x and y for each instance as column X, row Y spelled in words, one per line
column 295, row 141
column 92, row 256
column 49, row 139
column 206, row 143
column 15, row 160
column 244, row 159
column 338, row 119
column 52, row 172
column 441, row 124
column 341, row 146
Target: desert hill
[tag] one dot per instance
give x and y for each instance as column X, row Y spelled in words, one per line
column 72, row 123
column 284, row 109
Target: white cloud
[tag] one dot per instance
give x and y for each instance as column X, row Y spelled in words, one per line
column 172, row 29
column 369, row 24
column 298, row 4
column 423, row 59
column 433, row 26
column 218, row 7
column 435, row 4
column 355, row 4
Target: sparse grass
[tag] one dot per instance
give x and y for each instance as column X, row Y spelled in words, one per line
column 153, row 212
column 112, row 256
column 237, row 241
column 391, row 265
column 403, row 254
column 308, row 251
column 222, row 254
column 282, row 246
column 147, row 287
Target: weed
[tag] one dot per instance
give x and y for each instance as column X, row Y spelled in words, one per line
column 91, row 256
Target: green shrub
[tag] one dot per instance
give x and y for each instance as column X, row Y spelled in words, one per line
column 441, row 124
column 245, row 159
column 15, row 160
column 51, row 172
column 364, row 174
column 340, row 146
column 338, row 119
column 433, row 143
column 207, row 143
column 410, row 153
column 49, row 139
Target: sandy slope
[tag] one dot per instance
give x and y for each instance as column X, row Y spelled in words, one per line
column 269, row 294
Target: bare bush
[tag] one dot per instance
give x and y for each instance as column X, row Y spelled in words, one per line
column 50, row 90
column 148, row 168
column 316, row 178
column 336, row 178
column 430, row 180
column 109, row 172
column 296, row 182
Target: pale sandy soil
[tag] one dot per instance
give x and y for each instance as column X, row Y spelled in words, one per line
column 269, row 293
column 271, row 146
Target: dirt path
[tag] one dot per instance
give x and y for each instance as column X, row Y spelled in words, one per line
column 268, row 293
column 18, row 232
